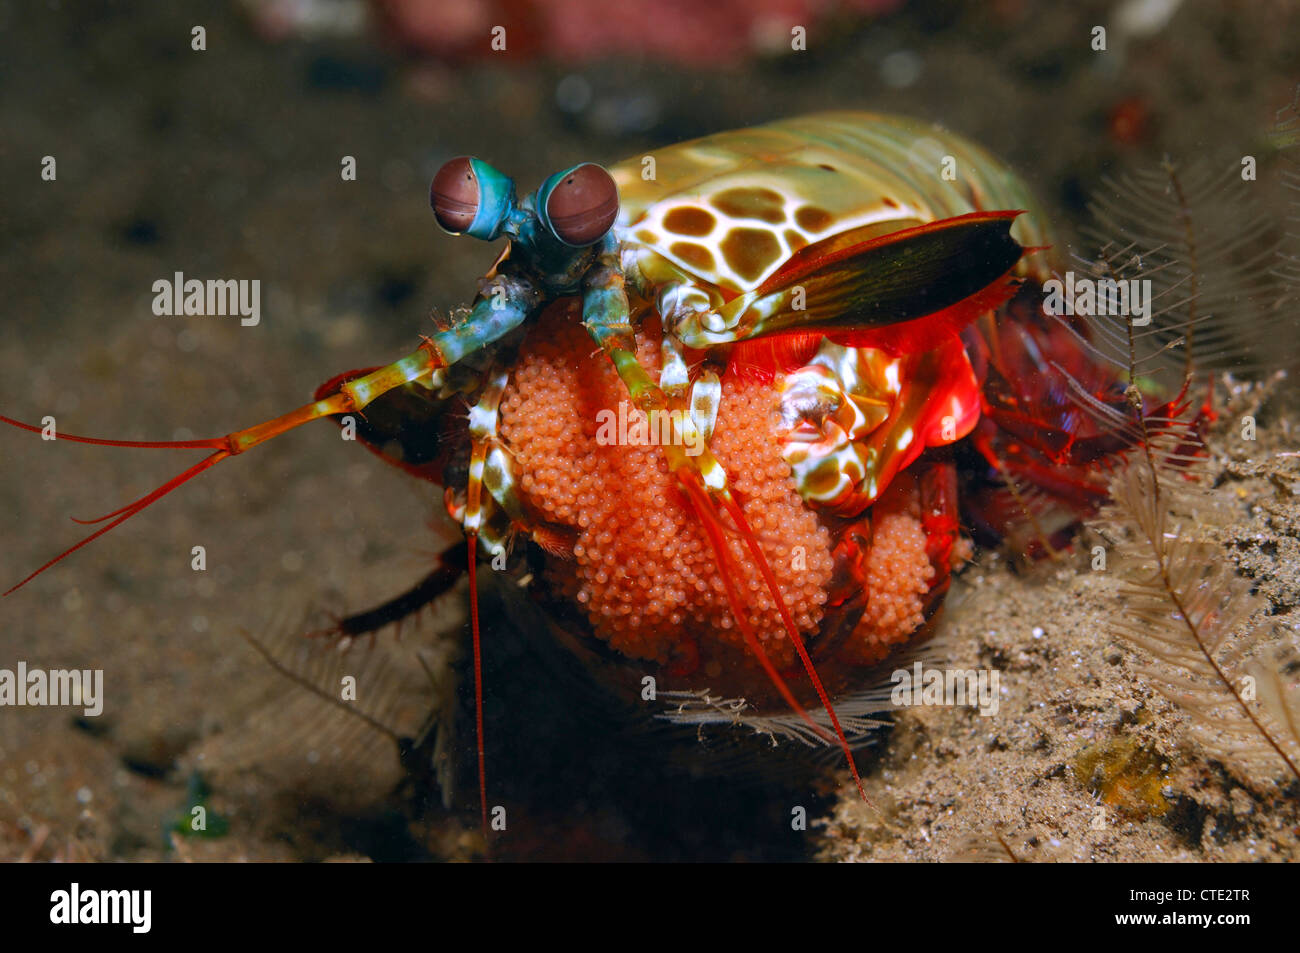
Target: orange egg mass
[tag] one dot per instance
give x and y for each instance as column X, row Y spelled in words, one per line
column 643, row 569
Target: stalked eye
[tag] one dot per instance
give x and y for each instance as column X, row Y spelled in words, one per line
column 454, row 195
column 470, row 197
column 579, row 206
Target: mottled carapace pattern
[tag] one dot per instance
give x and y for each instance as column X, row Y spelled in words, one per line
column 731, row 209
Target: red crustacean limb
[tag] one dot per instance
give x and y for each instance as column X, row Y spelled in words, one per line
column 120, row 516
column 1046, row 404
column 471, row 566
column 940, row 520
column 347, row 392
column 700, row 500
column 351, row 396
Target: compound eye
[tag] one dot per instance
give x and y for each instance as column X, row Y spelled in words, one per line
column 454, row 195
column 582, row 205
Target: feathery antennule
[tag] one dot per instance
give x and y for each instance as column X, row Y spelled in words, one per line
column 703, row 707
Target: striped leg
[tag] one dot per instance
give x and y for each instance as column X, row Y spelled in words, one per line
column 483, row 419
column 504, row 305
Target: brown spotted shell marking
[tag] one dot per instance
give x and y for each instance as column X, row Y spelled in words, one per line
column 730, row 209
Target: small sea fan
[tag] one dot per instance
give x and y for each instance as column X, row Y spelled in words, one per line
column 1209, row 638
column 1198, row 234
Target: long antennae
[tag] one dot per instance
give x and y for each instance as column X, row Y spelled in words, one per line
column 737, row 514
column 472, row 540
column 699, row 499
column 351, row 396
column 128, row 511
column 211, row 443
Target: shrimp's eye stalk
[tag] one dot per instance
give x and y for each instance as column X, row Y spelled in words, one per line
column 470, row 197
column 579, row 206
